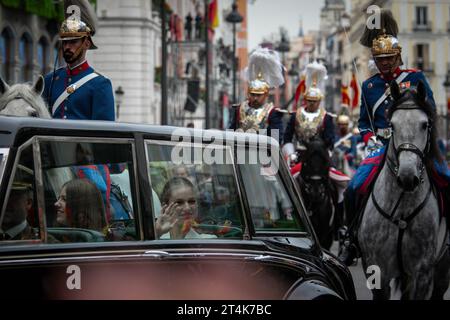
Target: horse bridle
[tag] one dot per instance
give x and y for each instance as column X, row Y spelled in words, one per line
column 394, row 166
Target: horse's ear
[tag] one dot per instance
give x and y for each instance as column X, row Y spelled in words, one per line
column 39, row 85
column 3, row 86
column 421, row 91
column 395, row 90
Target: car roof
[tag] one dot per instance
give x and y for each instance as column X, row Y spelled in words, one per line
column 11, row 127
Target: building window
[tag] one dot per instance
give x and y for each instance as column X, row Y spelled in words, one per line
column 26, row 58
column 42, row 55
column 422, row 57
column 6, row 55
column 421, row 16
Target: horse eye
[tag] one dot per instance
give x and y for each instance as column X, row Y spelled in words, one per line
column 34, row 114
column 425, row 125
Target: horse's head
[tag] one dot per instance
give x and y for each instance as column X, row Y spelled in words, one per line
column 413, row 141
column 23, row 100
column 315, row 169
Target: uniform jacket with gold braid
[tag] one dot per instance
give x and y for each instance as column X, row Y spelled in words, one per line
column 268, row 117
column 303, row 129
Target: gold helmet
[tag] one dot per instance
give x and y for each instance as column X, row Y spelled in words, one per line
column 73, row 28
column 258, row 86
column 313, row 94
column 385, row 46
column 78, row 26
column 343, row 119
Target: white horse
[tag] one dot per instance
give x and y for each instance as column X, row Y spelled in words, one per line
column 401, row 229
column 23, row 100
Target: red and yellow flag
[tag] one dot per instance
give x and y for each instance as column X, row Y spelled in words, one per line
column 214, row 14
column 355, row 88
column 345, row 98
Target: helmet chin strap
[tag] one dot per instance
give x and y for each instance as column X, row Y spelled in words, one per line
column 78, row 51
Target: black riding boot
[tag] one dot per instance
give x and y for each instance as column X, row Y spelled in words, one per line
column 349, row 250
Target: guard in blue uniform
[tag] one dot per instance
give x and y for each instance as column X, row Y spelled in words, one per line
column 77, row 91
column 256, row 113
column 375, row 102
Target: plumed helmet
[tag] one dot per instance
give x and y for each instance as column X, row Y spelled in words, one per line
column 264, row 71
column 316, row 73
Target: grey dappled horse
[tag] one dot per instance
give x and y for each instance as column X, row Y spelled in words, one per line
column 23, row 100
column 401, row 230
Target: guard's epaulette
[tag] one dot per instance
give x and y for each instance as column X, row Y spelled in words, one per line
column 95, row 71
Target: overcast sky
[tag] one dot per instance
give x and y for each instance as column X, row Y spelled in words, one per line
column 267, row 16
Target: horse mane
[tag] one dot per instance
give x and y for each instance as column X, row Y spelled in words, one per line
column 430, row 111
column 26, row 92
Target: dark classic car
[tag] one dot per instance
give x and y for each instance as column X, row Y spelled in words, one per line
column 122, row 235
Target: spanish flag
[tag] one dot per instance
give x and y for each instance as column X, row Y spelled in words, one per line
column 299, row 92
column 355, row 89
column 345, row 98
column 213, row 14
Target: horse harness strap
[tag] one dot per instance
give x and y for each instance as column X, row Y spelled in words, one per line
column 402, row 224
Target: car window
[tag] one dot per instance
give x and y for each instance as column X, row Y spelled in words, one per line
column 198, row 200
column 88, row 190
column 19, row 219
column 270, row 204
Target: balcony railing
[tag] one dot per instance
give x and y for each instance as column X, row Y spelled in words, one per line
column 427, row 27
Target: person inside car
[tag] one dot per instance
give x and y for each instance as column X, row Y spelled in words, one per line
column 15, row 225
column 80, row 205
column 179, row 212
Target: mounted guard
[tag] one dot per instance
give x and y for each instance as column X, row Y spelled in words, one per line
column 256, row 114
column 374, row 126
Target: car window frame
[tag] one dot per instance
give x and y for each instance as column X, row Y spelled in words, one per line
column 246, row 233
column 298, row 206
column 4, row 152
column 27, row 144
column 39, row 193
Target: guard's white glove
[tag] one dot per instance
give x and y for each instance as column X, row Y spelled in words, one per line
column 292, row 160
column 372, row 145
column 288, row 150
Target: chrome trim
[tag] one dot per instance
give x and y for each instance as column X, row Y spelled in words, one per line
column 39, row 190
column 251, row 255
column 5, row 153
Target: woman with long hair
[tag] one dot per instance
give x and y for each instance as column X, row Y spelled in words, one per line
column 80, row 205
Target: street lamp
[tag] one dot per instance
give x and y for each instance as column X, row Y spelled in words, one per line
column 234, row 17
column 119, row 98
column 283, row 47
